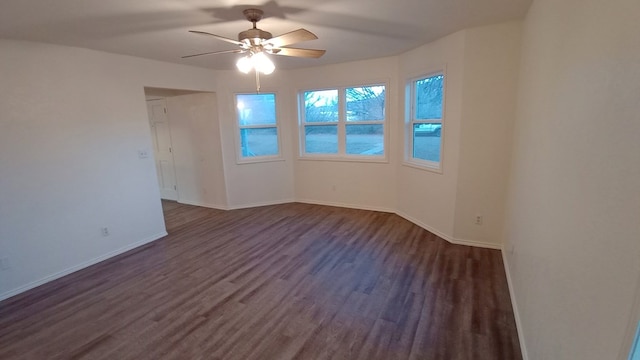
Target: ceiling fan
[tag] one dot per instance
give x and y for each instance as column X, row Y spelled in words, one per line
column 256, row 42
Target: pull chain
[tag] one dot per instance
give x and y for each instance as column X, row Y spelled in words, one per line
column 257, row 81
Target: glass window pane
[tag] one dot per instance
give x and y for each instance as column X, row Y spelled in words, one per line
column 426, row 141
column 365, row 139
column 429, row 97
column 321, row 106
column 256, row 109
column 259, row 142
column 322, row 139
column 365, row 103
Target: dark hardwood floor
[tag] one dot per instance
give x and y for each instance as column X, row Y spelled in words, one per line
column 293, row 281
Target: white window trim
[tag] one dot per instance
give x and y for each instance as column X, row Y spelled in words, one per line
column 409, row 111
column 341, row 127
column 238, row 143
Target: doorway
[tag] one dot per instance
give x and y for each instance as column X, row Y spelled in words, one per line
column 162, row 148
column 186, row 137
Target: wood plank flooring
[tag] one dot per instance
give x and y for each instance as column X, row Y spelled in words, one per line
column 293, row 281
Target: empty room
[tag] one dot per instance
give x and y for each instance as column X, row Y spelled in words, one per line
column 320, row 179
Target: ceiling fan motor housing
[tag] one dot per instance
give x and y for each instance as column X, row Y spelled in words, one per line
column 254, row 36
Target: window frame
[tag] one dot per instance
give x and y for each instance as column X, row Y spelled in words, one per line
column 342, row 124
column 240, row 158
column 411, row 121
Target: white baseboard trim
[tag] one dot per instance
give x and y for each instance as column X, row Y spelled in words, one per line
column 425, row 226
column 343, row 205
column 479, row 244
column 210, row 206
column 514, row 305
column 80, row 266
column 447, row 237
column 258, row 204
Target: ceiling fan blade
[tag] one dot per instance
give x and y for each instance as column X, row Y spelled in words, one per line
column 292, row 37
column 306, row 53
column 216, row 52
column 217, row 37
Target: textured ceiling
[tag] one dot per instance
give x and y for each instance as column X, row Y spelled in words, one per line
column 157, row 29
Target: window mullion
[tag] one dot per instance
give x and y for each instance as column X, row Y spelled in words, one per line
column 342, row 131
column 261, row 126
column 412, row 120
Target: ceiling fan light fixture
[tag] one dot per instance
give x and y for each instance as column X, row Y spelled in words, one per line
column 244, row 64
column 258, row 61
column 262, row 63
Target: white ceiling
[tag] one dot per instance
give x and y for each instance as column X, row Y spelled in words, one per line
column 157, row 29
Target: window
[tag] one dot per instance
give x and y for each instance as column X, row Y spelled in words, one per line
column 425, row 99
column 258, row 129
column 634, row 354
column 343, row 122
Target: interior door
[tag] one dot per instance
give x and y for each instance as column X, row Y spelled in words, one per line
column 161, row 136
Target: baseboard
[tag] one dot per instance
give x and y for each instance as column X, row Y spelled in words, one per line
column 479, row 244
column 514, row 305
column 210, row 206
column 80, row 266
column 343, row 205
column 258, row 204
column 447, row 237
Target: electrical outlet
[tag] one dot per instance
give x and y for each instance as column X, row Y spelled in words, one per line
column 104, row 231
column 143, row 153
column 478, row 219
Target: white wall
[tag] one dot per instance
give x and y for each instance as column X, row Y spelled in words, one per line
column 491, row 65
column 197, row 149
column 72, row 122
column 573, row 215
column 363, row 185
column 482, row 66
column 262, row 183
column 205, row 141
column 426, row 197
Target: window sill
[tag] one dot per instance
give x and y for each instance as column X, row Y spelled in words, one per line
column 259, row 160
column 423, row 166
column 378, row 160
